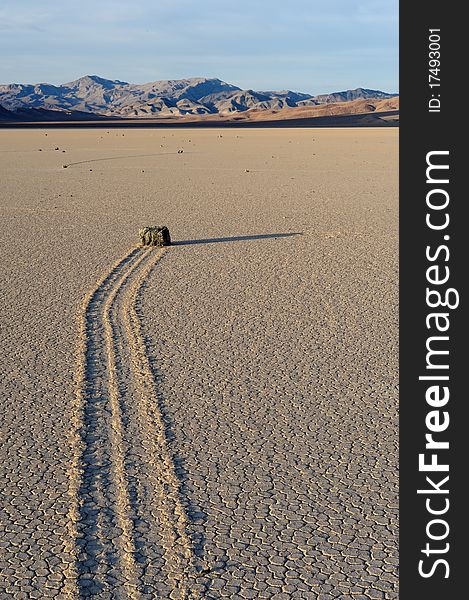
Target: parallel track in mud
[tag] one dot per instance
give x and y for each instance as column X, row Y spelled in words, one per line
column 128, row 519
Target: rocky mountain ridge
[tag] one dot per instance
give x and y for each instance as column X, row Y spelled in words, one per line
column 179, row 97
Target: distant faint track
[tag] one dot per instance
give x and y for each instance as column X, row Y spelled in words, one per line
column 107, row 501
column 93, row 160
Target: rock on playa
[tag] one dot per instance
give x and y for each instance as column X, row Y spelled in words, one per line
column 155, row 236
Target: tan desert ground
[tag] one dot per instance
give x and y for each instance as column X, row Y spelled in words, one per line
column 217, row 419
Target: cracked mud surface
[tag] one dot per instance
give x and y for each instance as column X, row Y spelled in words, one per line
column 232, row 429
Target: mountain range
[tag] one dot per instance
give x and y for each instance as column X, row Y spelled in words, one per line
column 197, row 96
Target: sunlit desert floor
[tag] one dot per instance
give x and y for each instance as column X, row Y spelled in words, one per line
column 218, row 419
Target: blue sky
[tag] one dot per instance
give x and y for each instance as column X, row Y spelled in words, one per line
column 313, row 46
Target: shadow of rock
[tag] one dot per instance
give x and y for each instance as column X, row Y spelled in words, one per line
column 236, row 238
